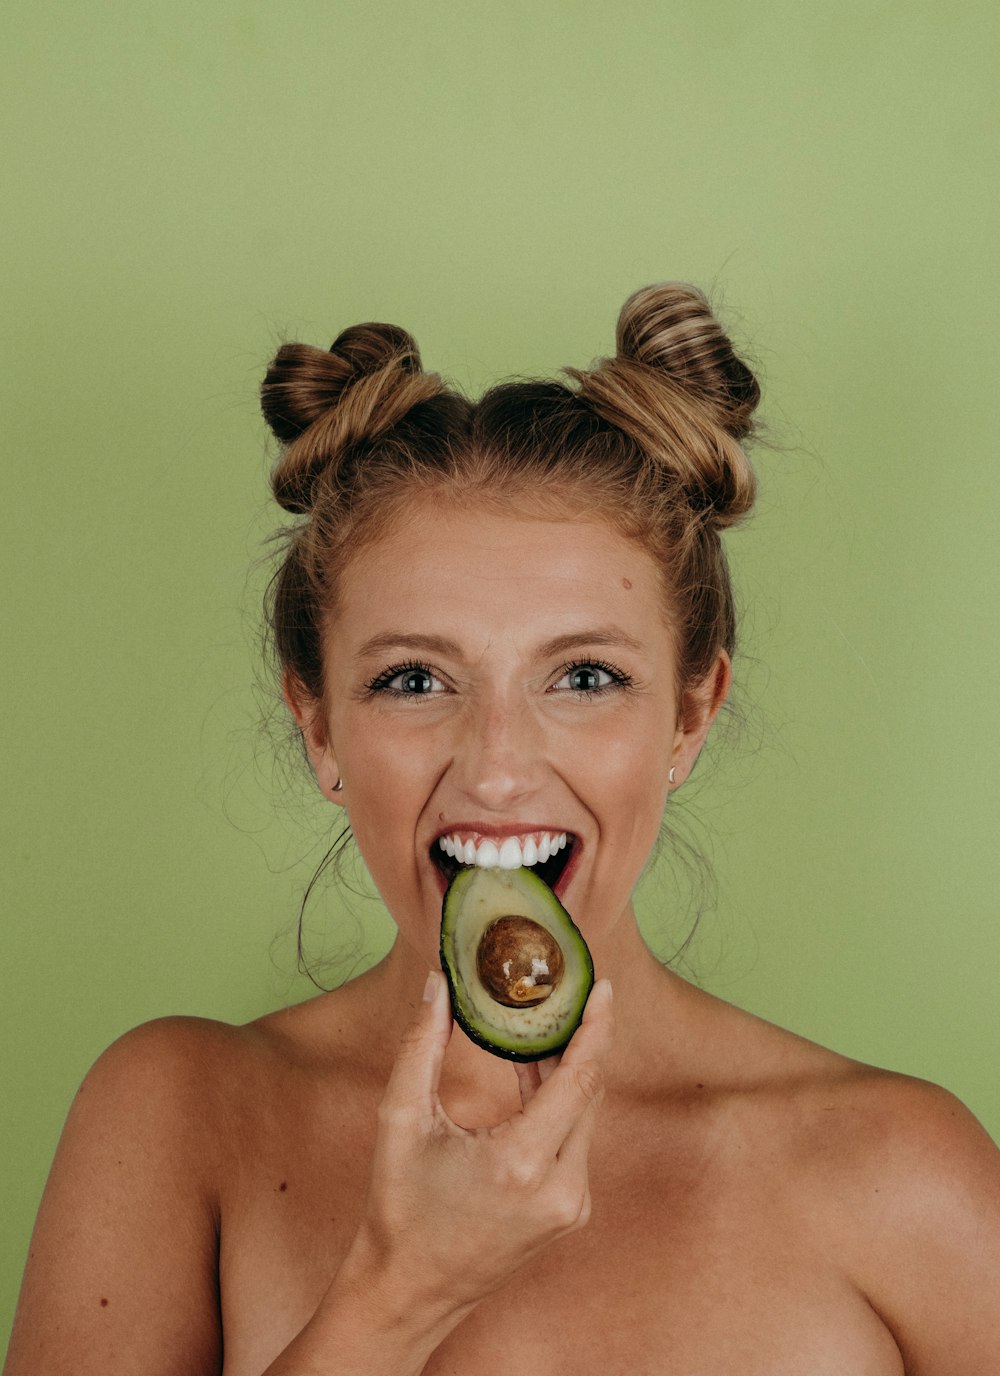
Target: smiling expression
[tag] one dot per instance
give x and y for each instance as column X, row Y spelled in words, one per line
column 492, row 676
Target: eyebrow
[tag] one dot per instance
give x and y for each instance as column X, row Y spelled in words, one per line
column 441, row 645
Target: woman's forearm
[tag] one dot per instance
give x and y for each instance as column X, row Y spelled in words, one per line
column 369, row 1323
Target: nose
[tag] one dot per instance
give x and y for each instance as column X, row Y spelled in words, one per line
column 498, row 757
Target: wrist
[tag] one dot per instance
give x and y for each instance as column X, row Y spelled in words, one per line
column 378, row 1318
column 398, row 1293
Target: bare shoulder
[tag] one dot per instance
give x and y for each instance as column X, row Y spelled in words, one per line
column 164, row 1090
column 893, row 1141
column 154, row 1094
column 162, row 1059
column 123, row 1258
column 870, row 1130
column 835, row 1107
column 899, row 1180
column 191, row 1089
column 892, row 1134
column 912, row 1194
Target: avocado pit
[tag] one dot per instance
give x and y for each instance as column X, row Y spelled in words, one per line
column 518, row 961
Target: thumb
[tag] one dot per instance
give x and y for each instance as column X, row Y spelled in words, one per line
column 578, row 1080
column 413, row 1082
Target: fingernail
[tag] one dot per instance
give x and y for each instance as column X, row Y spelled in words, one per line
column 609, row 992
column 430, row 988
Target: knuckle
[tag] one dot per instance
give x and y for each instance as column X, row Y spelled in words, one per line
column 588, row 1081
column 565, row 1211
column 521, row 1173
column 412, row 1040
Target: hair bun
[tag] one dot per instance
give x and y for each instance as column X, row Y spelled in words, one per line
column 670, row 326
column 677, row 388
column 303, row 382
column 319, row 403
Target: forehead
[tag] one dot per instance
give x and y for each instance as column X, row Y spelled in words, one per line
column 483, row 567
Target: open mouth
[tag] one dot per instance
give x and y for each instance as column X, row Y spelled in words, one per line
column 547, row 854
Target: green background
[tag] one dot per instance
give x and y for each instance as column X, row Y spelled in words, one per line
column 186, row 184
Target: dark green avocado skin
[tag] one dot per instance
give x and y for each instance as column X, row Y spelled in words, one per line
column 477, row 1034
column 505, row 1051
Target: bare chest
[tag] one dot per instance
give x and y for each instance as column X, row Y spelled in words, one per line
column 687, row 1266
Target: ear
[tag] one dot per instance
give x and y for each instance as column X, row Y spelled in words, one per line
column 698, row 709
column 307, row 711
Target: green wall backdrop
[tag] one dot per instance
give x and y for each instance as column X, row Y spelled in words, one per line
column 188, row 183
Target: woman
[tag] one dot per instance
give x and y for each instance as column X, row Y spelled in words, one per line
column 506, row 622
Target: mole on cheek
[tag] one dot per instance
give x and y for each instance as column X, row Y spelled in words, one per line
column 104, row 1303
column 627, row 584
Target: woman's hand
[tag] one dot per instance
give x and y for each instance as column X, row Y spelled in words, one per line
column 453, row 1212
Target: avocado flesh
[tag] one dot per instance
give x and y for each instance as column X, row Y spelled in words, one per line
column 476, row 906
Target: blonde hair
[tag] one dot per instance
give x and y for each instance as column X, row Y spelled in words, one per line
column 654, row 439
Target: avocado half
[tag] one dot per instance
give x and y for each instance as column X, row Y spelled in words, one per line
column 518, row 970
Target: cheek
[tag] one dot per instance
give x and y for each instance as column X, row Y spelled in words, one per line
column 382, row 758
column 379, row 826
column 388, row 781
column 630, row 775
column 634, row 756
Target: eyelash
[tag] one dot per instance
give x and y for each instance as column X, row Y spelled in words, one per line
column 380, row 683
column 619, row 678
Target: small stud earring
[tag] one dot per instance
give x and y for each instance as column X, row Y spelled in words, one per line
column 335, row 788
column 672, row 775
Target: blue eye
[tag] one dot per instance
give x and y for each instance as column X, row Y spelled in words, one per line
column 415, row 682
column 588, row 677
column 591, row 678
column 406, row 681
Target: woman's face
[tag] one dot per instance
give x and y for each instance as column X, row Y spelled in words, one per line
column 491, row 677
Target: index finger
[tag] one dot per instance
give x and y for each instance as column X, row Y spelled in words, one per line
column 413, row 1081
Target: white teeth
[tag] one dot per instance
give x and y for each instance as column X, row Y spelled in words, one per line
column 487, row 855
column 509, row 854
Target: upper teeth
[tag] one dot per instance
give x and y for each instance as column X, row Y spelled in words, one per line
column 509, row 854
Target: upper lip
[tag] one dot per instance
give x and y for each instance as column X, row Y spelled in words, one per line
column 495, row 831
